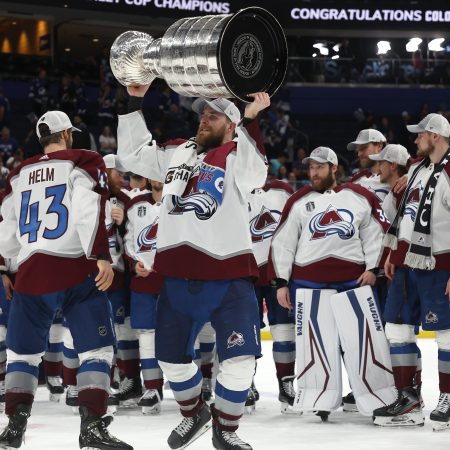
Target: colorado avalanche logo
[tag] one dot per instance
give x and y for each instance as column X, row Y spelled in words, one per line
column 413, row 200
column 235, row 339
column 146, row 240
column 332, row 221
column 203, row 205
column 264, row 224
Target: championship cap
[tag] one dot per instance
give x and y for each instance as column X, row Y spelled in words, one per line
column 365, row 137
column 322, row 155
column 434, row 123
column 394, row 153
column 56, row 121
column 113, row 162
column 221, row 105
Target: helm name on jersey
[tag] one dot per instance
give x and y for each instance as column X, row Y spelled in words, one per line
column 43, row 174
column 264, row 224
column 332, row 221
column 146, row 240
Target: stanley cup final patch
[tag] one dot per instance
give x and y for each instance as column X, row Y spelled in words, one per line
column 247, row 55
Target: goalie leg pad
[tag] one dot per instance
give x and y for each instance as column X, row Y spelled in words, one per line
column 366, row 349
column 317, row 352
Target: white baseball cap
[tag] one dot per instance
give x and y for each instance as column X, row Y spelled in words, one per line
column 113, row 162
column 221, row 105
column 394, row 153
column 434, row 123
column 322, row 155
column 365, row 137
column 56, row 121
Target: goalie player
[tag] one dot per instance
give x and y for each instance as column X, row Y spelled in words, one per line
column 328, row 244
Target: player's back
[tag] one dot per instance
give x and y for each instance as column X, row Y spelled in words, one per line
column 58, row 208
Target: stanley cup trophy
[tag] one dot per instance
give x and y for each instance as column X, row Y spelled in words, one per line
column 210, row 56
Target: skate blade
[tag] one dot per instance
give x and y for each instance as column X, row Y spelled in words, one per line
column 55, row 397
column 439, row 426
column 151, row 410
column 250, row 410
column 350, row 408
column 406, row 420
column 130, row 403
column 200, row 433
column 285, row 408
column 112, row 410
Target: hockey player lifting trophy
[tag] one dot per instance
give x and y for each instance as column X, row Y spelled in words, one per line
column 210, row 56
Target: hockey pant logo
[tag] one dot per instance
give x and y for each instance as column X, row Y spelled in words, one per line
column 235, row 339
column 349, row 321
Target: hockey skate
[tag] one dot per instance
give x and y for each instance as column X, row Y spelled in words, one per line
column 130, row 392
column 206, row 390
column 150, row 402
column 349, row 403
column 255, row 391
column 14, row 433
column 2, row 396
column 286, row 395
column 250, row 403
column 226, row 440
column 72, row 398
column 55, row 388
column 94, row 433
column 405, row 411
column 190, row 429
column 440, row 416
column 113, row 401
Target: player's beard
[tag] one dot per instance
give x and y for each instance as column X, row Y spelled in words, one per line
column 212, row 139
column 366, row 163
column 325, row 183
column 425, row 151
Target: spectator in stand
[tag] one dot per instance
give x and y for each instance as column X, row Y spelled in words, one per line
column 283, row 174
column 121, row 100
column 300, row 169
column 107, row 141
column 67, row 100
column 272, row 144
column 39, row 94
column 15, row 160
column 84, row 138
column 106, row 104
column 31, row 145
column 4, row 109
column 282, row 124
column 105, row 73
column 4, row 172
column 8, row 144
column 80, row 96
column 292, row 180
column 166, row 99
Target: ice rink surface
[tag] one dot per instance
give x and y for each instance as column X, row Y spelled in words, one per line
column 53, row 426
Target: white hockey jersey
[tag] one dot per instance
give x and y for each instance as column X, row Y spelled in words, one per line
column 440, row 217
column 200, row 237
column 329, row 237
column 265, row 207
column 140, row 239
column 115, row 242
column 54, row 219
column 372, row 182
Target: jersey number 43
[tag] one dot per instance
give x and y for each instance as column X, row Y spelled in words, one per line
column 29, row 222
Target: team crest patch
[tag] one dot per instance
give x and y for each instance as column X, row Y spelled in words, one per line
column 102, row 331
column 201, row 203
column 332, row 221
column 235, row 339
column 431, row 317
column 264, row 224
